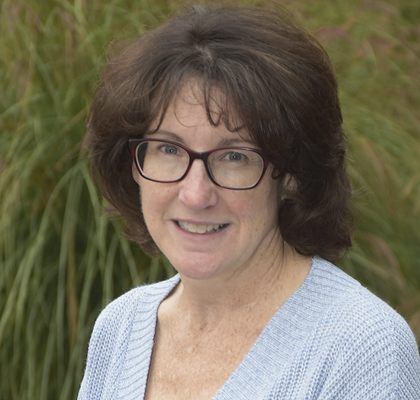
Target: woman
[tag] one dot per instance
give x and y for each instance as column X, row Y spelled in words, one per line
column 237, row 176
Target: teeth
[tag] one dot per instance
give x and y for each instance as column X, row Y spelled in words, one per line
column 200, row 228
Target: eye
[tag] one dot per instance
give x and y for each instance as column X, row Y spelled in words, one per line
column 234, row 156
column 169, row 149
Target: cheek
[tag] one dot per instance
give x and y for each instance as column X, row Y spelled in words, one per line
column 149, row 206
column 259, row 206
column 154, row 198
column 268, row 202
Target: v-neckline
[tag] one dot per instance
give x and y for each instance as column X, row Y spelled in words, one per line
column 244, row 382
column 272, row 350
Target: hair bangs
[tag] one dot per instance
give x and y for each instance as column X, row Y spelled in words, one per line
column 215, row 98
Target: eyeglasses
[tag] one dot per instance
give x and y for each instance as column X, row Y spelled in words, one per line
column 237, row 168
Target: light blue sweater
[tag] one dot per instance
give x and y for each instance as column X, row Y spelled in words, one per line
column 332, row 339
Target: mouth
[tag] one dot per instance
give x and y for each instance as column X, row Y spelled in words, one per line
column 201, row 229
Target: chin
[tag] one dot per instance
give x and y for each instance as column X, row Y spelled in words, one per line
column 199, row 267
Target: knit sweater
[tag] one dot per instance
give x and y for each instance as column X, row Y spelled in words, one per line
column 332, row 339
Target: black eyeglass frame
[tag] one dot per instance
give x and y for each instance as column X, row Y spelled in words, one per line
column 194, row 155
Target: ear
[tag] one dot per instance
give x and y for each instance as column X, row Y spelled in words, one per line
column 289, row 186
column 289, row 182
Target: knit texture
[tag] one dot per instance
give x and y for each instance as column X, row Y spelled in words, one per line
column 332, row 339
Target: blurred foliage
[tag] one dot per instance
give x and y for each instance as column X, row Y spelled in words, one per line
column 62, row 261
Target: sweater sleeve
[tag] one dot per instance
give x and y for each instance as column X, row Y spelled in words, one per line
column 407, row 363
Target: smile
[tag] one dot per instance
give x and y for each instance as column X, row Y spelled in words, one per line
column 201, row 229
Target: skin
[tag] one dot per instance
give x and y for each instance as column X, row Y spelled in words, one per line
column 232, row 280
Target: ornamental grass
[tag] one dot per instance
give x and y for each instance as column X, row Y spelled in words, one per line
column 62, row 260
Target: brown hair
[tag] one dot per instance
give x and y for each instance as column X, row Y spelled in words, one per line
column 277, row 81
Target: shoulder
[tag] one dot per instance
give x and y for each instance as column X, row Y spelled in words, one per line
column 364, row 337
column 130, row 319
column 121, row 313
column 345, row 304
column 345, row 343
column 352, row 304
column 141, row 298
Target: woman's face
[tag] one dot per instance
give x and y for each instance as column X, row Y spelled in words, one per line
column 176, row 213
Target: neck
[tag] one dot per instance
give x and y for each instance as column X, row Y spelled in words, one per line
column 260, row 288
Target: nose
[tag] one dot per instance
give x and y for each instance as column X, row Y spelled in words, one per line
column 197, row 190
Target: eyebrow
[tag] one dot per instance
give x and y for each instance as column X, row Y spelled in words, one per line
column 224, row 142
column 232, row 141
column 171, row 135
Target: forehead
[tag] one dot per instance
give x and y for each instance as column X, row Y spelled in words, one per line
column 197, row 106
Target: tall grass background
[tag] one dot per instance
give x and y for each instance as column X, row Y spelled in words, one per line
column 62, row 261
